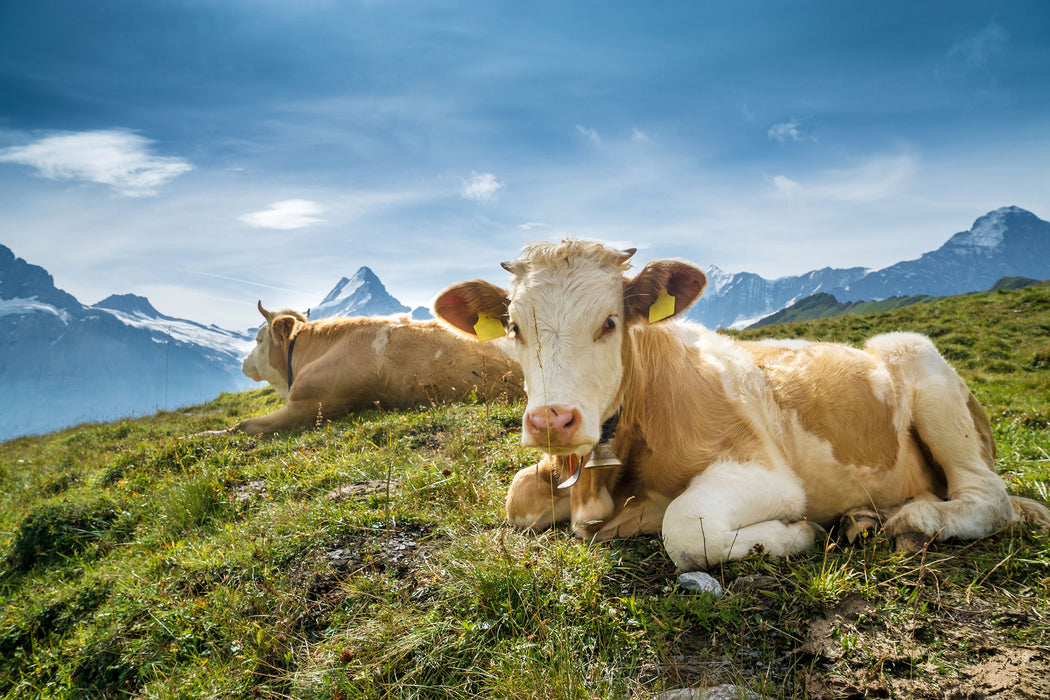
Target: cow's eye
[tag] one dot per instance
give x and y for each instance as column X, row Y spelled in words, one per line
column 514, row 331
column 609, row 326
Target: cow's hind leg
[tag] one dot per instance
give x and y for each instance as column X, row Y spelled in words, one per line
column 954, row 430
column 732, row 510
column 534, row 501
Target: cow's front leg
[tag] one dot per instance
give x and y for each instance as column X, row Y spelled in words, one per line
column 534, row 501
column 592, row 499
column 733, row 509
column 294, row 414
column 640, row 515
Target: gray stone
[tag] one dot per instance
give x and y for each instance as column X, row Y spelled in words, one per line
column 700, row 582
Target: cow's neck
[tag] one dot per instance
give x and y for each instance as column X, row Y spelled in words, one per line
column 664, row 383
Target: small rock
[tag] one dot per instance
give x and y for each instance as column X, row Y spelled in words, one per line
column 700, row 582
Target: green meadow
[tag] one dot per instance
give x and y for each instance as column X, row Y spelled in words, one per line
column 369, row 558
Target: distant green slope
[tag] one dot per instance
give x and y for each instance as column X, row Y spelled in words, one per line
column 822, row 305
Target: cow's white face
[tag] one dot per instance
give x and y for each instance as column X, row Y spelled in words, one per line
column 567, row 326
column 258, row 367
column 567, row 312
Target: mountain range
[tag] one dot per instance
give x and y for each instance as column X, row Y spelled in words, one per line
column 1006, row 242
column 63, row 362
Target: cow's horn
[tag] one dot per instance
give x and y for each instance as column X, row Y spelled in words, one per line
column 627, row 254
column 266, row 314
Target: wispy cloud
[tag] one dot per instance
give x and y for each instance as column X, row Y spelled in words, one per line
column 120, row 159
column 639, row 135
column 481, row 187
column 978, row 48
column 877, row 179
column 590, row 134
column 286, row 215
column 791, row 130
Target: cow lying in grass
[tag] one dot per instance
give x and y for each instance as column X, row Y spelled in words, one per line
column 726, row 447
column 327, row 368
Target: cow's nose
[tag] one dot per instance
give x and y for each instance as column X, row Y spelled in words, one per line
column 553, row 425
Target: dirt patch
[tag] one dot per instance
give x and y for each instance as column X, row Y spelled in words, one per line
column 399, row 551
column 358, row 489
column 946, row 648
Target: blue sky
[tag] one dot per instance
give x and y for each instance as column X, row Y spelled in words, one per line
column 208, row 153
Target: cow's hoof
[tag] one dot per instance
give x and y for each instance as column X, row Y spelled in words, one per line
column 911, row 542
column 860, row 524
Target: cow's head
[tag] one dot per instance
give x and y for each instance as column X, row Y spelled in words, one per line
column 567, row 311
column 267, row 361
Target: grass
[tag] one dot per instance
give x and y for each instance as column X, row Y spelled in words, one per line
column 369, row 559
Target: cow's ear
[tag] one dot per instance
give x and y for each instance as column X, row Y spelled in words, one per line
column 464, row 305
column 663, row 289
column 281, row 329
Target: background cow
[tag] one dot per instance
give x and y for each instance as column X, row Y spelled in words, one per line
column 727, row 447
column 326, row 368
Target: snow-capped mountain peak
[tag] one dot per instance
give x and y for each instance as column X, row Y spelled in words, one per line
column 988, row 230
column 360, row 295
column 717, row 279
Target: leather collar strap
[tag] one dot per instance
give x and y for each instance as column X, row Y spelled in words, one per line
column 608, row 427
column 291, row 347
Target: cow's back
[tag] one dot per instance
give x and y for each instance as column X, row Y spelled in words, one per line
column 841, row 395
column 426, row 362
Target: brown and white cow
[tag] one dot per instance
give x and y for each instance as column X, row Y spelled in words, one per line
column 726, row 447
column 327, row 368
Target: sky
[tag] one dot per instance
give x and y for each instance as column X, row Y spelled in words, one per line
column 207, row 154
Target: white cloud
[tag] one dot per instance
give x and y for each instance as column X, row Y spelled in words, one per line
column 286, row 215
column 875, row 180
column 788, row 188
column 590, row 134
column 120, row 159
column 639, row 135
column 788, row 131
column 481, row 187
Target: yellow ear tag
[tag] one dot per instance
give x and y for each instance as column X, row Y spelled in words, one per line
column 662, row 307
column 488, row 328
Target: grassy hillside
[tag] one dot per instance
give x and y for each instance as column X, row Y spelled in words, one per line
column 369, row 559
